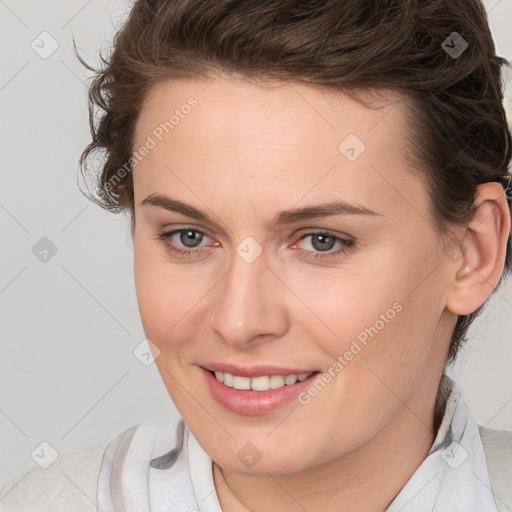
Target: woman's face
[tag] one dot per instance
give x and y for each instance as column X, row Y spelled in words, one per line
column 356, row 295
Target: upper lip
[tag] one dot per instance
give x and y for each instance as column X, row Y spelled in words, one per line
column 254, row 371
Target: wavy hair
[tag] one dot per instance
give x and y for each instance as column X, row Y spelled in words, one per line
column 459, row 135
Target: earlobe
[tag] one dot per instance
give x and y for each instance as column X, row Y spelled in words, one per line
column 483, row 251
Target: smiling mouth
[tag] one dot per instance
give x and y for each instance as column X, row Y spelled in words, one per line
column 260, row 383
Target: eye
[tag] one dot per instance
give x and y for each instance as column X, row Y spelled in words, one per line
column 184, row 241
column 323, row 242
column 187, row 242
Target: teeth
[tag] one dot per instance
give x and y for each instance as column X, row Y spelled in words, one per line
column 263, row 383
column 228, row 380
column 260, row 383
column 241, row 382
column 276, row 381
column 290, row 379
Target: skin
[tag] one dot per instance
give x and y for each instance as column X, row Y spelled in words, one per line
column 244, row 153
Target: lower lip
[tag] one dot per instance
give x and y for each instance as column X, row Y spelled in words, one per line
column 254, row 403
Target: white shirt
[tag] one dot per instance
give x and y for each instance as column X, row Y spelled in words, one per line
column 453, row 476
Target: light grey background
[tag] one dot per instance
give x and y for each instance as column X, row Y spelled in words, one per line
column 70, row 325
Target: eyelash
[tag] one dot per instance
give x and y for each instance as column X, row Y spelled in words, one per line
column 347, row 243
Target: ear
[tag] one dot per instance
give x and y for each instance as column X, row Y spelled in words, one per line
column 482, row 250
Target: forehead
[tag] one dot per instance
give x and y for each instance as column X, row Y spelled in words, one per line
column 279, row 142
column 304, row 109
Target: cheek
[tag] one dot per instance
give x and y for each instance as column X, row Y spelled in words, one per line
column 174, row 303
column 169, row 303
column 378, row 322
column 164, row 294
column 359, row 301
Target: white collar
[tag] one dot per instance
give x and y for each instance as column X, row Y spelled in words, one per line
column 453, row 476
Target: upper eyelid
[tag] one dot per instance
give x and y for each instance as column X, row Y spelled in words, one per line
column 184, row 227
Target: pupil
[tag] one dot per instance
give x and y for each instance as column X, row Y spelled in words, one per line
column 322, row 239
column 190, row 236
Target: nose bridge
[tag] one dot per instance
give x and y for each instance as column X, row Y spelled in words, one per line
column 247, row 303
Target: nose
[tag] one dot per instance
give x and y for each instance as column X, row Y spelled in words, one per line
column 250, row 304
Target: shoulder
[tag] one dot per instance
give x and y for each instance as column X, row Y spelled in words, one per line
column 497, row 445
column 70, row 483
column 496, row 442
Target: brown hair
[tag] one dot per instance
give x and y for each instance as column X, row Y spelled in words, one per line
column 459, row 132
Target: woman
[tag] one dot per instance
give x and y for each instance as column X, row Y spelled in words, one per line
column 320, row 205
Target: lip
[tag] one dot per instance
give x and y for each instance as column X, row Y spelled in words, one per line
column 254, row 403
column 255, row 371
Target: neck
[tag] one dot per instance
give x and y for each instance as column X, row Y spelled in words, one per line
column 367, row 478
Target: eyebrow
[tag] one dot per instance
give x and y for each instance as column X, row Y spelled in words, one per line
column 284, row 217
